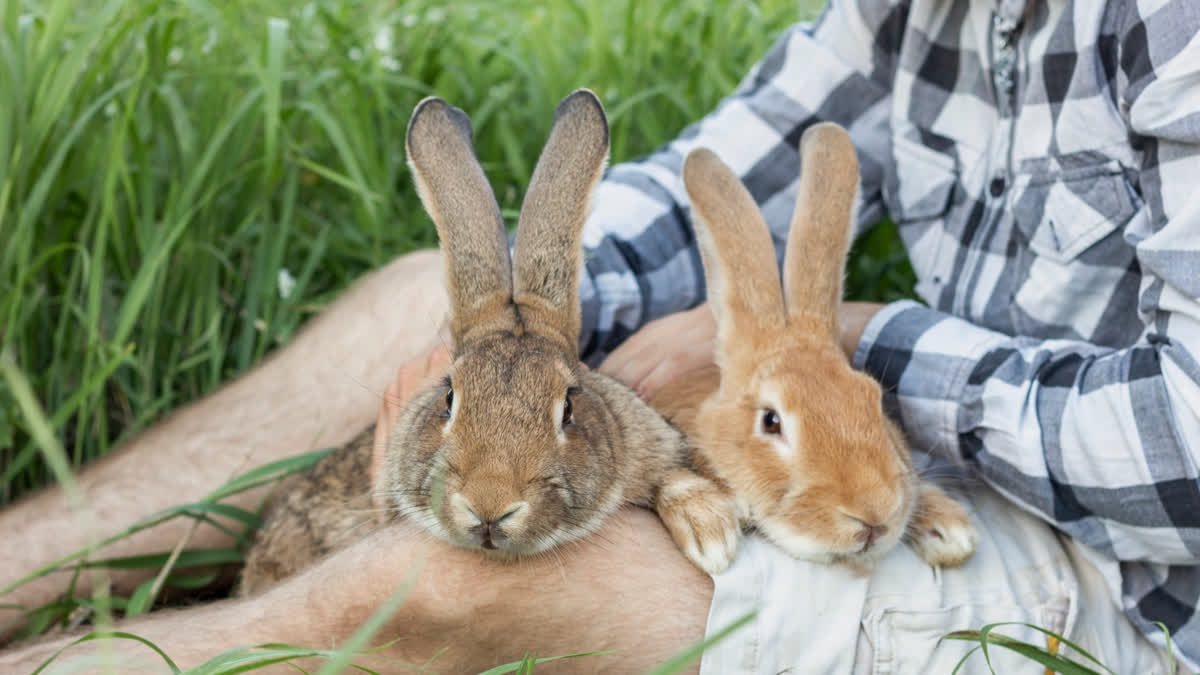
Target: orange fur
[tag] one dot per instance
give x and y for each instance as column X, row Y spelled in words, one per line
column 837, row 482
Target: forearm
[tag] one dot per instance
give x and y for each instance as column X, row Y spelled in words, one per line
column 319, row 608
column 468, row 611
column 1093, row 439
column 188, row 637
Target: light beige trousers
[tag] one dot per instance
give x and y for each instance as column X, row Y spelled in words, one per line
column 815, row 618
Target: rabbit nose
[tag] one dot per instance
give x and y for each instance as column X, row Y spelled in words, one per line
column 869, row 534
column 870, row 529
column 490, row 532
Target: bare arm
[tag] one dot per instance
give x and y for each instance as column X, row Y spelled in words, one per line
column 191, row 636
column 481, row 612
column 319, row 391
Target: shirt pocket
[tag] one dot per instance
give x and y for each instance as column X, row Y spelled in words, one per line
column 1069, row 215
column 919, row 192
column 1063, row 206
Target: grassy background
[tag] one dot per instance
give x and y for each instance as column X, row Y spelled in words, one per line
column 163, row 163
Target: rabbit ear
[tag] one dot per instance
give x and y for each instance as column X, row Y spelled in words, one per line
column 739, row 258
column 459, row 199
column 548, row 253
column 822, row 224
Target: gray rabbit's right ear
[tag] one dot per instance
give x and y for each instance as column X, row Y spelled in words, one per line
column 738, row 256
column 459, row 199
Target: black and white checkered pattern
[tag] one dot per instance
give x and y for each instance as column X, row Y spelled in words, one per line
column 1043, row 166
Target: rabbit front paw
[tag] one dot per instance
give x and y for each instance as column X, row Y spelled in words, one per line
column 702, row 519
column 941, row 531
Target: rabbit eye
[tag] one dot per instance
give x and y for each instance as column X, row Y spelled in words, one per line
column 770, row 422
column 566, row 411
column 449, row 399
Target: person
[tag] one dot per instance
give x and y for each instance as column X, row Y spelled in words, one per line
column 1038, row 159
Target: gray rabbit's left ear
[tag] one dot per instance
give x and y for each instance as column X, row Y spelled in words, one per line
column 548, row 251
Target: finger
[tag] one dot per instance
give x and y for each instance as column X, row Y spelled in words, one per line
column 638, row 367
column 634, row 359
column 383, row 426
column 436, row 367
column 619, row 357
column 661, row 374
column 674, row 367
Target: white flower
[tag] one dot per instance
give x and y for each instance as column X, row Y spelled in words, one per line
column 409, row 20
column 287, row 283
column 435, row 15
column 110, row 109
column 355, row 54
column 175, row 55
column 389, row 63
column 383, row 39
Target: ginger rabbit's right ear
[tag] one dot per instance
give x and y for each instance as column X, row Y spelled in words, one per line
column 459, row 199
column 822, row 224
column 738, row 255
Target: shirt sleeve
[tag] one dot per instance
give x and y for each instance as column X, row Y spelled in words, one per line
column 1102, row 442
column 641, row 257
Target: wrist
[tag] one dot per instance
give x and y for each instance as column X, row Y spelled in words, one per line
column 853, row 319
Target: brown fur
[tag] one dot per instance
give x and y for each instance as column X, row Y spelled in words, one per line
column 838, row 483
column 487, row 459
column 548, row 252
column 311, row 514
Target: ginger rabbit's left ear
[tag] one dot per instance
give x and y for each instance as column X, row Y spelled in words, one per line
column 738, row 255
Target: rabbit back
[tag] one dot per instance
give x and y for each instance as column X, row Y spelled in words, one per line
column 311, row 514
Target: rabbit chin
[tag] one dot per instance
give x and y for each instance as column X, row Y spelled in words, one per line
column 806, row 547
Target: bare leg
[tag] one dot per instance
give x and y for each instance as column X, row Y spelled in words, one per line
column 318, row 391
column 626, row 588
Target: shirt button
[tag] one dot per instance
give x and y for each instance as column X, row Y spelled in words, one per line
column 996, row 187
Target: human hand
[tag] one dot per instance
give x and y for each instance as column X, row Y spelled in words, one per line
column 417, row 373
column 853, row 318
column 663, row 350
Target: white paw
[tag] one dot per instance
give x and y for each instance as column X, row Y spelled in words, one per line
column 713, row 545
column 949, row 543
column 703, row 521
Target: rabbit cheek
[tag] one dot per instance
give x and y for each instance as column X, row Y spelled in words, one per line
column 801, row 541
column 760, row 477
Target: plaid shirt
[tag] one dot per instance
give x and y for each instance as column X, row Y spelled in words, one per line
column 1043, row 167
